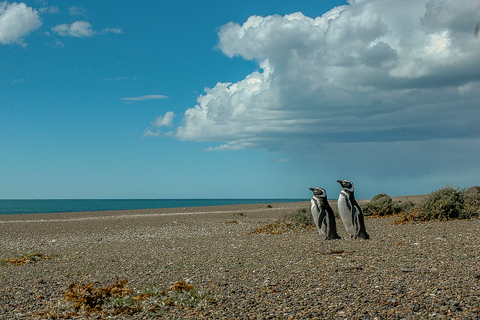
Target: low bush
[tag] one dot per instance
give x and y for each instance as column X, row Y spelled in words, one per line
column 446, row 204
column 301, row 218
column 291, row 221
column 471, row 196
column 381, row 205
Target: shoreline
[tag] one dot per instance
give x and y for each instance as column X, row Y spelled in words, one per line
column 43, row 206
column 183, row 210
column 133, row 213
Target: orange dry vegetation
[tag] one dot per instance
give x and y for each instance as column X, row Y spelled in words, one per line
column 92, row 299
column 31, row 258
column 181, row 286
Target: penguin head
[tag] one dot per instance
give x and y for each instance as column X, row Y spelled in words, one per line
column 319, row 192
column 346, row 184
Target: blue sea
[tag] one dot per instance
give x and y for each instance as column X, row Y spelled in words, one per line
column 78, row 205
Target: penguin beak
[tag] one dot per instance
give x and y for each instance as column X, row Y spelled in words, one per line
column 340, row 181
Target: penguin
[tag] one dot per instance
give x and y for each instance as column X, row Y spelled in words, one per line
column 323, row 215
column 350, row 212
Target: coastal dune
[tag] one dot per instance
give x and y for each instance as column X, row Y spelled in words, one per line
column 407, row 271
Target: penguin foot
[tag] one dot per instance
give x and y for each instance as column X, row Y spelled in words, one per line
column 363, row 236
column 333, row 238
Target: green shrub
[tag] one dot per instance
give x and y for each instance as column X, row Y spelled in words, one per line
column 291, row 221
column 381, row 205
column 471, row 197
column 407, row 206
column 300, row 218
column 444, row 204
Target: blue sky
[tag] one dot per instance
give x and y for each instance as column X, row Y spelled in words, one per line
column 246, row 99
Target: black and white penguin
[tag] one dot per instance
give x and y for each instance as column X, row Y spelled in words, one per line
column 350, row 212
column 323, row 215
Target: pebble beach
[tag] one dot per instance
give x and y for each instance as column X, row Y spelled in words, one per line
column 428, row 270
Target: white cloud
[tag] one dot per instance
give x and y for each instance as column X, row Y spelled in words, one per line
column 147, row 97
column 59, row 44
column 165, row 120
column 149, row 133
column 77, row 11
column 78, row 29
column 372, row 71
column 81, row 29
column 112, row 30
column 161, row 121
column 223, row 147
column 50, row 10
column 17, row 21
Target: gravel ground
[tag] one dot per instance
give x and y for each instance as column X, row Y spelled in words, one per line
column 425, row 270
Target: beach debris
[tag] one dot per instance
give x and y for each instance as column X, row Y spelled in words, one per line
column 355, row 268
column 231, row 222
column 31, row 258
column 335, row 252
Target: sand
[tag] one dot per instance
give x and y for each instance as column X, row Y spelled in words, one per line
column 422, row 270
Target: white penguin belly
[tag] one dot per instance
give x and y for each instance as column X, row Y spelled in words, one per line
column 322, row 230
column 314, row 211
column 346, row 215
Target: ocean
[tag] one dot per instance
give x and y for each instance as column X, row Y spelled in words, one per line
column 81, row 205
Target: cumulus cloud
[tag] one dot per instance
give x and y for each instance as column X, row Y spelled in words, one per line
column 81, row 29
column 166, row 120
column 371, row 71
column 78, row 29
column 17, row 21
column 161, row 121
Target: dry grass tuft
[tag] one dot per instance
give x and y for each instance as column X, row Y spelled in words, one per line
column 117, row 299
column 91, row 299
column 31, row 258
column 180, row 286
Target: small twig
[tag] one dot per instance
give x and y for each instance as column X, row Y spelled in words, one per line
column 335, row 252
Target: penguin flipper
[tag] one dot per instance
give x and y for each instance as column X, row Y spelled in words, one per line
column 332, row 225
column 323, row 224
column 361, row 230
